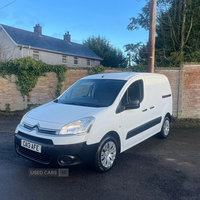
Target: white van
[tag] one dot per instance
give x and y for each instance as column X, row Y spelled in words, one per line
column 95, row 119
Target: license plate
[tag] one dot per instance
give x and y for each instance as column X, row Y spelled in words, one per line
column 31, row 146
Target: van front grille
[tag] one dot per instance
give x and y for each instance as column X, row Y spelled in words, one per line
column 39, row 157
column 39, row 129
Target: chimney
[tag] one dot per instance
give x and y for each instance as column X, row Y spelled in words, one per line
column 38, row 29
column 67, row 37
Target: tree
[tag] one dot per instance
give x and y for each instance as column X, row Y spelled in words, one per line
column 112, row 57
column 177, row 32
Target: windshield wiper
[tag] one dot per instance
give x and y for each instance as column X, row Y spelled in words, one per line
column 71, row 103
column 99, row 105
column 85, row 104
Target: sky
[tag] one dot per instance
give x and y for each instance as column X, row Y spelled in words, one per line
column 107, row 18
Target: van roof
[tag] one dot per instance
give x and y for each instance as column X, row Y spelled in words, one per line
column 120, row 76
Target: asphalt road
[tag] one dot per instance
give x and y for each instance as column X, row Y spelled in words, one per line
column 153, row 170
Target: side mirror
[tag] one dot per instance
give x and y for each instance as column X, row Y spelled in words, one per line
column 132, row 105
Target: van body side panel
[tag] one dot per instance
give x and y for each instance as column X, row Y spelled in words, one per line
column 105, row 123
column 159, row 97
column 148, row 120
column 154, row 88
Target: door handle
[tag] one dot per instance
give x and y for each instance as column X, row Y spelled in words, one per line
column 151, row 107
column 144, row 110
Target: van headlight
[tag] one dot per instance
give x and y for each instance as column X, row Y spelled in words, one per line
column 78, row 127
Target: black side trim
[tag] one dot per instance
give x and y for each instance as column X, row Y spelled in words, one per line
column 165, row 96
column 143, row 127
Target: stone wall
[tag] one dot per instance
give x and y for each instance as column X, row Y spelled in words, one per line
column 185, row 84
column 189, row 92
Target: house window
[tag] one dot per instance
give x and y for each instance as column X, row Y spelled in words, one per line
column 64, row 59
column 36, row 55
column 88, row 62
column 75, row 60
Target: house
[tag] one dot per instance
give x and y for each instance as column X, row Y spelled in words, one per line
column 18, row 43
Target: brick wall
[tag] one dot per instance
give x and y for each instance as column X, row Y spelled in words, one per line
column 10, row 95
column 42, row 93
column 189, row 92
column 185, row 84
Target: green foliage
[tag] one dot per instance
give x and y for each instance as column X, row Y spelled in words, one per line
column 28, row 70
column 139, row 54
column 142, row 20
column 31, row 106
column 111, row 56
column 96, row 70
column 177, row 33
column 175, row 58
column 7, row 107
column 139, row 68
column 186, row 123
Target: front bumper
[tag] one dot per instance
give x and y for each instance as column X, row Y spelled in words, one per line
column 60, row 155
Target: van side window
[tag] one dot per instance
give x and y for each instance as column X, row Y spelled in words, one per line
column 134, row 92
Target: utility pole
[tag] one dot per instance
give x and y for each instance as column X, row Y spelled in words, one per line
column 152, row 30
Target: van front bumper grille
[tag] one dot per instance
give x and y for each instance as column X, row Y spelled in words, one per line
column 39, row 157
column 38, row 129
column 46, row 154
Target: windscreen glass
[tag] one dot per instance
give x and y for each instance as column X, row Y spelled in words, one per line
column 93, row 92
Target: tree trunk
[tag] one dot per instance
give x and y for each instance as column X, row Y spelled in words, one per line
column 183, row 29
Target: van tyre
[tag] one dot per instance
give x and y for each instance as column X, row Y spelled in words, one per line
column 106, row 154
column 165, row 128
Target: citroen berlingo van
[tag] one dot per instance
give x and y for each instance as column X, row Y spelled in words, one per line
column 95, row 119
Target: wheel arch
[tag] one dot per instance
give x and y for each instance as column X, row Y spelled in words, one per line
column 116, row 136
column 169, row 116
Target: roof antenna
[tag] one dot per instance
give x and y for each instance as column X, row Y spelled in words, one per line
column 103, row 76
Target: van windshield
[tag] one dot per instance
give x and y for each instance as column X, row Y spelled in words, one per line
column 92, row 92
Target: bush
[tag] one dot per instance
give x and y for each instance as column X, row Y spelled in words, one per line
column 28, row 70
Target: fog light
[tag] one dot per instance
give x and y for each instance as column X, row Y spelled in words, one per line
column 65, row 160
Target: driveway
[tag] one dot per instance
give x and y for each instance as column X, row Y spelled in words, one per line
column 153, row 170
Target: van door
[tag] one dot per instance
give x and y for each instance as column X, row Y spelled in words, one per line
column 133, row 119
column 136, row 123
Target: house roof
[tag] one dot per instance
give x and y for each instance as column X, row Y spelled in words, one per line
column 27, row 38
